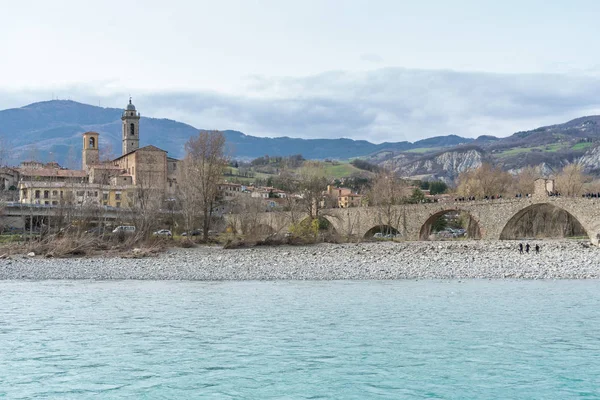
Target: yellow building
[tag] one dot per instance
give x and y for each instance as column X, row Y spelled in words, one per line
column 114, row 183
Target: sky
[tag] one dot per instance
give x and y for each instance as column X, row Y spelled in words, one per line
column 376, row 70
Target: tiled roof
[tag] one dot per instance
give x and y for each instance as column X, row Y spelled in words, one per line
column 53, row 172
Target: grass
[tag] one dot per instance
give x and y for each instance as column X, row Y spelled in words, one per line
column 423, row 150
column 10, row 238
column 340, row 170
column 550, row 148
column 581, row 146
column 332, row 170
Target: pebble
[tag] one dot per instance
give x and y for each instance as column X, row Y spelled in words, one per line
column 559, row 259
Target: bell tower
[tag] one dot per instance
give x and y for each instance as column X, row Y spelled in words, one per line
column 131, row 129
column 90, row 155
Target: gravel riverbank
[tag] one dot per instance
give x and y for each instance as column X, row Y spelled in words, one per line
column 414, row 260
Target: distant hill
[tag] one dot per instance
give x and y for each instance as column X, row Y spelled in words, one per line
column 549, row 147
column 51, row 130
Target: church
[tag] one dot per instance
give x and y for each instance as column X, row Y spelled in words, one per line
column 112, row 183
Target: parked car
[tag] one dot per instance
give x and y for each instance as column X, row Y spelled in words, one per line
column 163, row 233
column 124, row 228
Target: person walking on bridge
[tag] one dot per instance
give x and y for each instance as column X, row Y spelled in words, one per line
column 520, row 248
column 537, row 249
column 527, row 248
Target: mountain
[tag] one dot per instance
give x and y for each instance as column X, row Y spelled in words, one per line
column 51, row 130
column 442, row 141
column 444, row 165
column 550, row 148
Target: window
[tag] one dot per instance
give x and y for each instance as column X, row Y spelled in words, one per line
column 132, row 129
column 92, row 142
column 118, row 196
column 95, row 194
column 118, row 204
column 54, row 193
column 37, row 194
column 61, row 194
column 80, row 193
column 104, row 196
column 55, row 203
column 46, row 203
column 104, row 203
column 46, row 194
column 90, row 194
column 24, row 193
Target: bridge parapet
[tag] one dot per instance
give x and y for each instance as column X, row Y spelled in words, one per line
column 491, row 216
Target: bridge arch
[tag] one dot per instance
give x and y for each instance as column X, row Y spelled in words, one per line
column 383, row 229
column 542, row 220
column 473, row 230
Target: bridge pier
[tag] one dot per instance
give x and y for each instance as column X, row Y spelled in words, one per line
column 411, row 220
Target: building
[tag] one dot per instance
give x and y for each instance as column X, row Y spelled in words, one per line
column 343, row 197
column 113, row 183
column 350, row 200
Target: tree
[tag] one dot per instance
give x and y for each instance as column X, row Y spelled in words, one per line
column 204, row 164
column 570, row 181
column 417, row 196
column 484, row 181
column 388, row 191
column 187, row 196
column 312, row 183
column 524, row 180
column 146, row 204
column 247, row 214
column 437, row 187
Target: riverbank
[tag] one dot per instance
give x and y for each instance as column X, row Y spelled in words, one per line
column 560, row 259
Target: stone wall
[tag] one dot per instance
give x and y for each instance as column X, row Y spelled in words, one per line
column 412, row 221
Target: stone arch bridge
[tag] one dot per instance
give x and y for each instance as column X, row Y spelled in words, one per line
column 414, row 221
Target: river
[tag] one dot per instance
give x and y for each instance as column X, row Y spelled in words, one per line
column 474, row 339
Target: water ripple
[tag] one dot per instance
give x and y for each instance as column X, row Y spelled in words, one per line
column 304, row 340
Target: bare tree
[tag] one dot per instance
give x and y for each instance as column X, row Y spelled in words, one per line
column 523, row 181
column 247, row 213
column 146, row 205
column 486, row 180
column 187, row 195
column 571, row 180
column 386, row 193
column 204, row 162
column 311, row 184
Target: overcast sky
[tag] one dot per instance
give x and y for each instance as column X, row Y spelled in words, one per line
column 375, row 70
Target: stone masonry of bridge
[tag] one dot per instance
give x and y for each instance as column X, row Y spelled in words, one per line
column 413, row 221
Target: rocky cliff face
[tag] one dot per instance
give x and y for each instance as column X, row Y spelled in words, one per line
column 591, row 161
column 445, row 166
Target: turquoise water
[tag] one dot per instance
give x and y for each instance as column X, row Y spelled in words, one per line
column 300, row 340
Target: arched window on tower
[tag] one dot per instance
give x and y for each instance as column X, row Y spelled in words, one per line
column 132, row 129
column 92, row 143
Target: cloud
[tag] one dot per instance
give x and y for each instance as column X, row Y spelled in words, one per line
column 390, row 104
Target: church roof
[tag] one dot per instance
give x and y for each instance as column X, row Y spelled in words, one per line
column 52, row 172
column 145, row 148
